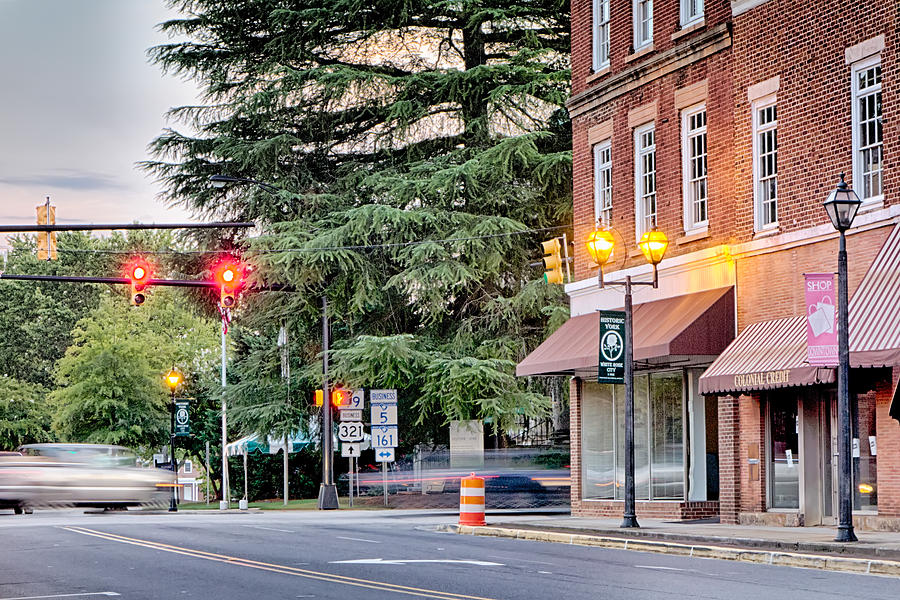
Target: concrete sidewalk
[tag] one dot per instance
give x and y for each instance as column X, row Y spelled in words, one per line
column 811, row 547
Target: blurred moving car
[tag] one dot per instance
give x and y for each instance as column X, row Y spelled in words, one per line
column 90, row 475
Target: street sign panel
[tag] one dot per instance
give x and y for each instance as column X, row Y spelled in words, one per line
column 611, row 365
column 383, row 396
column 350, row 450
column 355, row 402
column 384, row 414
column 182, row 418
column 353, row 414
column 350, row 431
column 384, row 436
column 384, row 455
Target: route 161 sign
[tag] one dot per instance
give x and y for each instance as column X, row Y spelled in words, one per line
column 611, row 365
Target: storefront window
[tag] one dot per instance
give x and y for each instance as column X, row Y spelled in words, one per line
column 667, row 436
column 865, row 453
column 658, row 438
column 785, row 427
column 598, row 466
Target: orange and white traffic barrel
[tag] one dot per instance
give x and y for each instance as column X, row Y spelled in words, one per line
column 471, row 500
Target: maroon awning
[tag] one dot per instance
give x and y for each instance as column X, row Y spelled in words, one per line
column 692, row 325
column 766, row 355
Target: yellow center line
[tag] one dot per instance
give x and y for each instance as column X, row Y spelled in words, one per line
column 275, row 568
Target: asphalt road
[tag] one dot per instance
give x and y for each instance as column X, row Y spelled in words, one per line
column 367, row 554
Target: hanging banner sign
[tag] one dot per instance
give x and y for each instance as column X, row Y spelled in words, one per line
column 611, row 365
column 821, row 325
column 182, row 418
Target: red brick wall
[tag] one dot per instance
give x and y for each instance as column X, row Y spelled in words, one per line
column 888, row 439
column 729, row 459
column 649, row 510
column 575, row 398
column 770, row 286
column 753, row 432
column 803, row 43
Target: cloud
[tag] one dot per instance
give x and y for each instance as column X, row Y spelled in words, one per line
column 67, row 180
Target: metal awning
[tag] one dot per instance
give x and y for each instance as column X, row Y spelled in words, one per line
column 875, row 310
column 689, row 326
column 766, row 355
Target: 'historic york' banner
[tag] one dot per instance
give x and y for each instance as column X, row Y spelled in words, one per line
column 821, row 325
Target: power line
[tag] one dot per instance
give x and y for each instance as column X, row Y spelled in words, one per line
column 328, row 248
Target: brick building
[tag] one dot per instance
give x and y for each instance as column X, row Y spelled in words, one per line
column 726, row 125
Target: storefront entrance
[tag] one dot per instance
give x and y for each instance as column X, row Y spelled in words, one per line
column 802, row 450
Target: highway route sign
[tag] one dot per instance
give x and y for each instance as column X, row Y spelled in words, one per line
column 350, row 450
column 383, row 455
column 350, row 431
column 384, row 436
column 356, row 401
column 384, row 414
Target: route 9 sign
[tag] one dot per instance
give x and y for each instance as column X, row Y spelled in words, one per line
column 350, row 431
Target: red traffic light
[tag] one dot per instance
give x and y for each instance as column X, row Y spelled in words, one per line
column 228, row 275
column 139, row 272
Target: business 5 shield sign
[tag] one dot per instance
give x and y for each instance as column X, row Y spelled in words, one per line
column 821, row 326
column 611, row 364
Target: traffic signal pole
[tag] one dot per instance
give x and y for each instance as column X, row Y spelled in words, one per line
column 327, row 492
column 226, row 496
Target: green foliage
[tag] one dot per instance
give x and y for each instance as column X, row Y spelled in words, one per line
column 421, row 150
column 22, row 414
column 111, row 386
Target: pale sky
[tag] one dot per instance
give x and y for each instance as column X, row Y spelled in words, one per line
column 79, row 103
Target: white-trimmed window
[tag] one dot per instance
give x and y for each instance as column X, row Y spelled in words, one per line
column 601, row 34
column 603, row 183
column 693, row 169
column 691, row 12
column 645, row 178
column 643, row 23
column 868, row 145
column 188, row 466
column 765, row 163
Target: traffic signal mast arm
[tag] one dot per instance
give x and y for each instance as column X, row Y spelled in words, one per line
column 150, row 282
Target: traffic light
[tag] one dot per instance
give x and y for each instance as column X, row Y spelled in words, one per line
column 318, row 398
column 46, row 215
column 552, row 261
column 139, row 273
column 229, row 275
column 339, row 397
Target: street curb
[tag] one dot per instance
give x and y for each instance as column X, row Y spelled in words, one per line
column 769, row 557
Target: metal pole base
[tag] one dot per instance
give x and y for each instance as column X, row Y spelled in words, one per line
column 629, row 522
column 845, row 534
column 328, row 499
column 173, row 507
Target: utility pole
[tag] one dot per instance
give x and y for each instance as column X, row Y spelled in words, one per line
column 327, row 492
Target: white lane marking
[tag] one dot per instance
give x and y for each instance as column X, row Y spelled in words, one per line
column 522, row 560
column 340, row 537
column 259, row 527
column 381, row 561
column 64, row 596
column 658, row 568
column 545, row 573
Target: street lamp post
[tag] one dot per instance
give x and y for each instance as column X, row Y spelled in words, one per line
column 841, row 206
column 653, row 245
column 173, row 380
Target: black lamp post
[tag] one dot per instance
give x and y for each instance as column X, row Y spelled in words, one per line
column 653, row 244
column 173, row 380
column 841, row 206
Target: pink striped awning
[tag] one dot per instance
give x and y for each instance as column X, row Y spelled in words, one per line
column 875, row 310
column 766, row 355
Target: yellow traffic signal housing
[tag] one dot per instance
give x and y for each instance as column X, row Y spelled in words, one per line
column 46, row 215
column 139, row 274
column 318, row 398
column 552, row 261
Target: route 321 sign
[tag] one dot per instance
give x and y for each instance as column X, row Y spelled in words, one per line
column 611, row 363
column 350, row 431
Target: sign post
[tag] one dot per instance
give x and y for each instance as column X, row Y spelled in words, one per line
column 351, row 432
column 611, row 365
column 385, row 434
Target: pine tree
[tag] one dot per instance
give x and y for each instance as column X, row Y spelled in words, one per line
column 420, row 150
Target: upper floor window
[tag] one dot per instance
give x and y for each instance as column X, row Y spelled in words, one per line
column 867, row 131
column 603, row 183
column 645, row 178
column 765, row 162
column 643, row 23
column 691, row 12
column 601, row 34
column 188, row 466
column 693, row 127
